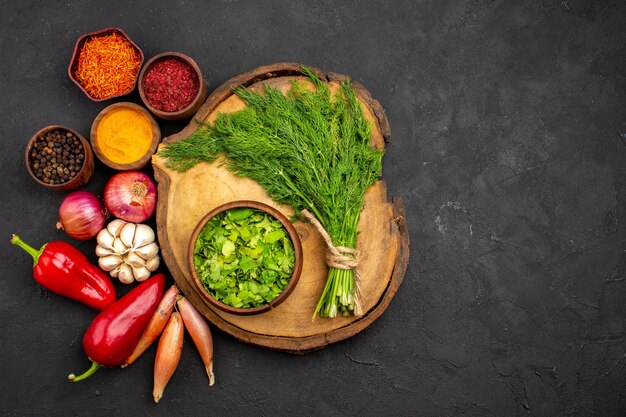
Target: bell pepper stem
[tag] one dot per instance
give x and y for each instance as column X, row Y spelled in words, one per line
column 15, row 239
column 86, row 374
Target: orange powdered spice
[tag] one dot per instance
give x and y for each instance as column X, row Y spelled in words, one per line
column 107, row 66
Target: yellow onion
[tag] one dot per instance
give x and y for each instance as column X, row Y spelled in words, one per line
column 168, row 354
column 200, row 333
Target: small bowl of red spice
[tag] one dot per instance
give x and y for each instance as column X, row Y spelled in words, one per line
column 171, row 86
column 105, row 64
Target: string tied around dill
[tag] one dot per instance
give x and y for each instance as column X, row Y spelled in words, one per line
column 340, row 257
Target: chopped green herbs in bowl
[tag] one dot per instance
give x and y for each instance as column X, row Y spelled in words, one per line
column 245, row 257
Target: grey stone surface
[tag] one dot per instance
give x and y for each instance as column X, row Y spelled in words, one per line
column 508, row 122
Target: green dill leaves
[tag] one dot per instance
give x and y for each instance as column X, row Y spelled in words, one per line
column 309, row 150
column 244, row 257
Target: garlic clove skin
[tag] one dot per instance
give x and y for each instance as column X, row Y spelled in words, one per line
column 115, row 272
column 148, row 251
column 143, row 235
column 119, row 247
column 102, row 251
column 134, row 260
column 153, row 263
column 141, row 273
column 126, row 274
column 115, row 227
column 128, row 234
column 108, row 263
column 105, row 239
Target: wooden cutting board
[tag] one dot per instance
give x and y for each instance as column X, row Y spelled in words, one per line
column 184, row 198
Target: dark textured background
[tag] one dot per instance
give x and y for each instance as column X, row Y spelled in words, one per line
column 507, row 146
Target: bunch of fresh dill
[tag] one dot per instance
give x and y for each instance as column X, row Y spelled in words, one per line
column 308, row 149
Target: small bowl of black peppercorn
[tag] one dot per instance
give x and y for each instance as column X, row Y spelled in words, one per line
column 59, row 158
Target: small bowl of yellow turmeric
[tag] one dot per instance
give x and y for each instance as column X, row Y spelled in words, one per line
column 124, row 136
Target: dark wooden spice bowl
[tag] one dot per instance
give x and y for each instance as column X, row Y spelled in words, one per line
column 141, row 162
column 72, row 68
column 293, row 235
column 82, row 177
column 185, row 112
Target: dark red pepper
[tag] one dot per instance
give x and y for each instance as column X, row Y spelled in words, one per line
column 63, row 269
column 114, row 333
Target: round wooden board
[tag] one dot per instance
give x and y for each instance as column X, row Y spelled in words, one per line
column 383, row 238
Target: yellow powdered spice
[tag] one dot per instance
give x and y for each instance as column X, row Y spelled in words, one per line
column 124, row 135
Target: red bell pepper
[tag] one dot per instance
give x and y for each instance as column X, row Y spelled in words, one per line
column 63, row 269
column 114, row 333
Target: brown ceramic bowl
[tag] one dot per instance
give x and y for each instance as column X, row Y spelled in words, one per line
column 83, row 176
column 293, row 235
column 141, row 162
column 71, row 70
column 185, row 112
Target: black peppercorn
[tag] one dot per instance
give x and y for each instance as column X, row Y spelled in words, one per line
column 56, row 157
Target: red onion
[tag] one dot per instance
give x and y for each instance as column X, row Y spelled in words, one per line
column 131, row 196
column 81, row 215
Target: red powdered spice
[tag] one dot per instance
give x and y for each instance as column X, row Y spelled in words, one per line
column 170, row 85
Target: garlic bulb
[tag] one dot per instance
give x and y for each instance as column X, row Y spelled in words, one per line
column 127, row 251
